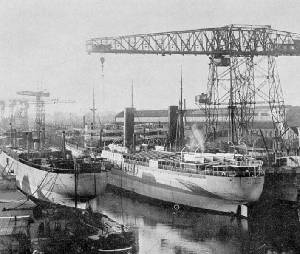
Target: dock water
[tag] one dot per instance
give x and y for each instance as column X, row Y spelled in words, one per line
column 283, row 184
column 27, row 226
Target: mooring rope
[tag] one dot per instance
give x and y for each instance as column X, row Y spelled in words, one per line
column 14, row 208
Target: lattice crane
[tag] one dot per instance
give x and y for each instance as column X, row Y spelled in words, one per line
column 39, row 124
column 242, row 66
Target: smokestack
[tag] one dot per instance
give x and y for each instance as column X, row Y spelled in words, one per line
column 133, row 142
column 36, row 144
column 64, row 144
column 100, row 138
column 11, row 135
column 128, row 126
column 92, row 134
column 43, row 138
column 28, row 142
column 38, row 140
column 16, row 143
column 172, row 123
column 83, row 121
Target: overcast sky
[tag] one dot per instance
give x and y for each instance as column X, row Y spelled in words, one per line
column 42, row 45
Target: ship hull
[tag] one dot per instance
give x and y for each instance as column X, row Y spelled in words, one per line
column 123, row 181
column 51, row 186
column 238, row 189
column 223, row 194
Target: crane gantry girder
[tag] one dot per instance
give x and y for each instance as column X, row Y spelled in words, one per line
column 231, row 40
column 34, row 93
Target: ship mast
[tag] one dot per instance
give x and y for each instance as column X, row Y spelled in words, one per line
column 180, row 124
column 231, row 108
column 93, row 109
column 132, row 108
column 132, row 93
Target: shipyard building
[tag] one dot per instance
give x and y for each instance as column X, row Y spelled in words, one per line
column 262, row 118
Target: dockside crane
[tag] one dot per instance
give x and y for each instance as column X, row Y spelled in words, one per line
column 39, row 123
column 242, row 67
column 18, row 112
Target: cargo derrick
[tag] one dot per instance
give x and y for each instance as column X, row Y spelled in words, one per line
column 242, row 67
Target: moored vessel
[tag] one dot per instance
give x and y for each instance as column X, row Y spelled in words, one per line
column 221, row 182
column 54, row 175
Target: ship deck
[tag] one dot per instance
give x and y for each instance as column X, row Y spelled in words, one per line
column 154, row 155
column 173, row 161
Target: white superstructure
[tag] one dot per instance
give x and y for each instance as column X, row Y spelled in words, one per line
column 210, row 181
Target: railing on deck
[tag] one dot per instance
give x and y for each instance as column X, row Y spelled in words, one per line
column 240, row 169
column 83, row 168
column 137, row 162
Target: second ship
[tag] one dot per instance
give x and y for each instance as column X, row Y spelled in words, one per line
column 52, row 175
column 223, row 182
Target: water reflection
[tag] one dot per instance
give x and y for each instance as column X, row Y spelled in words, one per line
column 73, row 230
column 271, row 226
column 275, row 225
column 165, row 230
column 60, row 229
column 282, row 186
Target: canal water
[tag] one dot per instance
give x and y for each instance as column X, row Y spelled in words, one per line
column 272, row 227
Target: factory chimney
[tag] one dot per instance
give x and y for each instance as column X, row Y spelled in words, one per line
column 83, row 122
column 128, row 127
column 172, row 124
column 64, row 144
column 28, row 141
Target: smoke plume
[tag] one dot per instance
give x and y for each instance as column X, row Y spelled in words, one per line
column 196, row 138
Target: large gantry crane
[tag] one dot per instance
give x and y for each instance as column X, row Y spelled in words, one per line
column 242, row 67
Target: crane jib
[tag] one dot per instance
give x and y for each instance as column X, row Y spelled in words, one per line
column 228, row 40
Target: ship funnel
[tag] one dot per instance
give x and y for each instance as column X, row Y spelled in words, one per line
column 28, row 140
column 15, row 139
column 100, row 138
column 172, row 124
column 83, row 122
column 36, row 144
column 133, row 142
column 128, row 127
column 64, row 144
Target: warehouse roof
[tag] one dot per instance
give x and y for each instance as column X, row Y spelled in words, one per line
column 147, row 113
column 164, row 113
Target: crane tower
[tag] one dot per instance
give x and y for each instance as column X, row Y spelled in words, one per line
column 18, row 113
column 242, row 69
column 39, row 123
